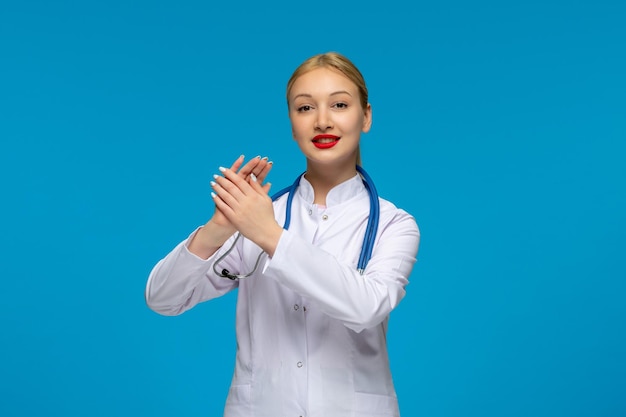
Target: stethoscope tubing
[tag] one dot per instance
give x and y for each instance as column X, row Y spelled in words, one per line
column 369, row 238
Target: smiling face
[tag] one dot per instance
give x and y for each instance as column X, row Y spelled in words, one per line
column 327, row 117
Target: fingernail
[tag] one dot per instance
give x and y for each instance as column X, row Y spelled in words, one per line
column 265, row 158
column 241, row 156
column 258, row 156
column 222, row 169
column 213, row 184
column 215, row 176
column 213, row 194
column 253, row 177
column 270, row 162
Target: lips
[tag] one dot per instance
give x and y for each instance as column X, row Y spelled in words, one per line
column 325, row 141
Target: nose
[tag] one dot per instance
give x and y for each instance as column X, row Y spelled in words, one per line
column 323, row 121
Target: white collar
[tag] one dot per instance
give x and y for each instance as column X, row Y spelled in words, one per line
column 337, row 195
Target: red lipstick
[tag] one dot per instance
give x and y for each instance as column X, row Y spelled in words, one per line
column 325, row 141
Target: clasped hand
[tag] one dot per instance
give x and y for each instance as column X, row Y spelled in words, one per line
column 245, row 203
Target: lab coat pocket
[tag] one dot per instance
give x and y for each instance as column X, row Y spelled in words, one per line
column 337, row 389
column 373, row 405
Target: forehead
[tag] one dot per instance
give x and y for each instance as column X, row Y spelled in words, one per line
column 321, row 81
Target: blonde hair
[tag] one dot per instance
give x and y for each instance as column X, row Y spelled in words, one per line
column 340, row 63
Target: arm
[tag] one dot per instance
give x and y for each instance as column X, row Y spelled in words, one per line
column 359, row 301
column 181, row 280
column 184, row 277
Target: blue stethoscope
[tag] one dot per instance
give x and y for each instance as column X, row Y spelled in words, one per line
column 368, row 239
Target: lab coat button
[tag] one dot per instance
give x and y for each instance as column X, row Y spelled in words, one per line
column 299, row 364
column 324, row 217
column 310, row 212
column 296, row 307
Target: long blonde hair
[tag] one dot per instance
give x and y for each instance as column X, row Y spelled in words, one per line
column 340, row 63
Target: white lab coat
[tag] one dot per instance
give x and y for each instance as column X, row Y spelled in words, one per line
column 311, row 331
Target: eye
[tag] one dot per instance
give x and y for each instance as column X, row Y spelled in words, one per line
column 341, row 105
column 304, row 108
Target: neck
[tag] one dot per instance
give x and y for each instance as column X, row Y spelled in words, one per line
column 325, row 178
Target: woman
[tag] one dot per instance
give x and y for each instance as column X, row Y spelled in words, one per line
column 311, row 328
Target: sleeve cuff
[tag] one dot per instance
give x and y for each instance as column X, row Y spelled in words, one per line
column 283, row 243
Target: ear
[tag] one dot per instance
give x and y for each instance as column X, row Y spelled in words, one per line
column 367, row 119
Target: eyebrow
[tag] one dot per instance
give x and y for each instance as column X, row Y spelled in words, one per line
column 332, row 94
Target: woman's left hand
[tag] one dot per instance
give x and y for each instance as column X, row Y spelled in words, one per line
column 247, row 205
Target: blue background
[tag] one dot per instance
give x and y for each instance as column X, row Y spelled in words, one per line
column 500, row 126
